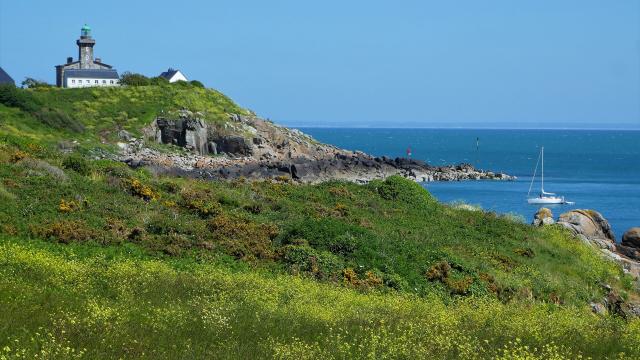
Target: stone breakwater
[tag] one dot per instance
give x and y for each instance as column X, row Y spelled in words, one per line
column 254, row 148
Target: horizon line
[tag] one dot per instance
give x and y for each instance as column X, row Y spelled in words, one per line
column 460, row 128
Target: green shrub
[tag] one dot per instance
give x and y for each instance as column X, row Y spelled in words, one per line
column 65, row 231
column 243, row 239
column 343, row 244
column 134, row 79
column 303, row 258
column 326, row 233
column 400, row 189
column 77, row 163
column 201, row 201
column 18, row 98
column 395, row 281
column 196, row 83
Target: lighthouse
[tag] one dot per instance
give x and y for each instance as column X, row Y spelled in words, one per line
column 85, row 48
column 86, row 71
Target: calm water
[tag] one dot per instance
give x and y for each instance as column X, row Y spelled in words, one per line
column 597, row 169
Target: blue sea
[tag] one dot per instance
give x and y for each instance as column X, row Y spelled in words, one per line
column 596, row 169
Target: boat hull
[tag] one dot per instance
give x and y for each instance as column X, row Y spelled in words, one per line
column 546, row 200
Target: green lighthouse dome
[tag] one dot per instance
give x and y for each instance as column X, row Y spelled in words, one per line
column 85, row 31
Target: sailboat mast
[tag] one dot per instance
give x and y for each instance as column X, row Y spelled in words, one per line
column 542, row 176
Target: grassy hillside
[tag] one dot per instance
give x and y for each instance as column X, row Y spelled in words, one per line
column 101, row 261
column 96, row 114
column 86, row 302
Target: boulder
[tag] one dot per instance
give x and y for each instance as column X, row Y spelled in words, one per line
column 630, row 252
column 543, row 216
column 234, row 144
column 187, row 132
column 631, row 238
column 590, row 224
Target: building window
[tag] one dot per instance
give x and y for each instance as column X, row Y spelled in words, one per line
column 104, row 81
column 73, row 81
column 112, row 81
column 79, row 81
column 96, row 81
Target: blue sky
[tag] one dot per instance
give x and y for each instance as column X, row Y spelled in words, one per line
column 362, row 63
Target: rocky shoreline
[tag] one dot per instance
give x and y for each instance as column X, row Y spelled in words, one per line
column 590, row 227
column 253, row 148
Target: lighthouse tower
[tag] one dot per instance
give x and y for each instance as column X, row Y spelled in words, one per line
column 85, row 48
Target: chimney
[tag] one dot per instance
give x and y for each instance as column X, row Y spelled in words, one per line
column 69, row 60
column 98, row 60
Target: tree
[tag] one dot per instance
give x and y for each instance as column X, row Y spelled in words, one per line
column 134, row 79
column 32, row 83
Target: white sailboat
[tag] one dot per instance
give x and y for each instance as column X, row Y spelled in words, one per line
column 544, row 197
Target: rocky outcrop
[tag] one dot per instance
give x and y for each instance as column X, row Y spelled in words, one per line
column 254, row 148
column 631, row 238
column 234, row 145
column 543, row 216
column 593, row 229
column 589, row 225
column 615, row 304
column 630, row 245
column 185, row 131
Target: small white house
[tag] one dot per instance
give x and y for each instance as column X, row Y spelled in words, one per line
column 173, row 75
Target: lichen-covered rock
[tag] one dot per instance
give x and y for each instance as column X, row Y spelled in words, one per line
column 543, row 216
column 631, row 238
column 591, row 224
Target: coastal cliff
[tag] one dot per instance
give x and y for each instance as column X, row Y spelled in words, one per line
column 253, row 148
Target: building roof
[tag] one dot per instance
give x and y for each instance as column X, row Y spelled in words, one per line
column 169, row 74
column 102, row 64
column 92, row 73
column 5, row 78
column 71, row 65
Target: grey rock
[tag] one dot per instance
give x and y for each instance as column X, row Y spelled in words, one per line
column 124, row 135
column 543, row 216
column 631, row 238
column 589, row 223
column 598, row 308
column 186, row 132
column 213, row 148
column 628, row 251
column 234, row 144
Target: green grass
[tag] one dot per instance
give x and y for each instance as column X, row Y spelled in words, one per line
column 101, row 261
column 94, row 303
column 94, row 115
column 391, row 231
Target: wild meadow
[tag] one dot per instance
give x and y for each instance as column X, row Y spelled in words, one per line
column 98, row 260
